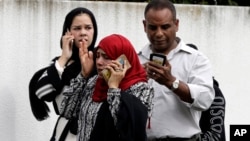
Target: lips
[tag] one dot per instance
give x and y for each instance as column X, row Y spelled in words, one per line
column 159, row 42
column 82, row 40
column 99, row 70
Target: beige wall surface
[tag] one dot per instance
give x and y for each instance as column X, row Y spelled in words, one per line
column 30, row 34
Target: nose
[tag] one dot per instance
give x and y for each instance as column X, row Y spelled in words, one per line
column 99, row 61
column 159, row 32
column 83, row 32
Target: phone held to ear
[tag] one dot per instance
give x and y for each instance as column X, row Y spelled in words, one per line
column 158, row 58
column 106, row 73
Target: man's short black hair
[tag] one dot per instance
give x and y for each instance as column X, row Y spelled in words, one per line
column 160, row 4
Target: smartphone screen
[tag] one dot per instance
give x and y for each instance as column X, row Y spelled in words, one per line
column 121, row 61
column 158, row 58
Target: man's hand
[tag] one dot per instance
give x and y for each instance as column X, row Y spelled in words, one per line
column 161, row 74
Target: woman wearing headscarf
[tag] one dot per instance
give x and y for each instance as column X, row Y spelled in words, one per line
column 47, row 83
column 114, row 109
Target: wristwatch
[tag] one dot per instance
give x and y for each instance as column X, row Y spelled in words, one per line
column 175, row 84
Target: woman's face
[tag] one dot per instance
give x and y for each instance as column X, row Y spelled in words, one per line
column 82, row 29
column 101, row 60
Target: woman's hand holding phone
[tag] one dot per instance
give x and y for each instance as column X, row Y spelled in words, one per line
column 115, row 71
column 67, row 44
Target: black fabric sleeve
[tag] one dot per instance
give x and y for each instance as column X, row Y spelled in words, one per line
column 104, row 129
column 39, row 108
column 54, row 78
column 212, row 120
column 131, row 121
column 49, row 77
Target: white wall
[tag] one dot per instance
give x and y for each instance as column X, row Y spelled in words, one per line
column 30, row 34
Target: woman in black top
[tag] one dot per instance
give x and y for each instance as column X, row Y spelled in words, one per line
column 47, row 83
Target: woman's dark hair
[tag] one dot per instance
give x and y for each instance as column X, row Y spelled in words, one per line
column 67, row 24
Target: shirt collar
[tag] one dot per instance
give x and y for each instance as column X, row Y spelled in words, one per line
column 146, row 51
column 181, row 47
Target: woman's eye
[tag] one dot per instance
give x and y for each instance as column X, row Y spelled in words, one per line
column 97, row 55
column 106, row 57
column 88, row 27
column 76, row 28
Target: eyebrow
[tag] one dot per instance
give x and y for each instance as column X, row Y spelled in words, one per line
column 160, row 25
column 101, row 53
column 81, row 25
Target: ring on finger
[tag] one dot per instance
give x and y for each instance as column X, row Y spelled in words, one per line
column 117, row 70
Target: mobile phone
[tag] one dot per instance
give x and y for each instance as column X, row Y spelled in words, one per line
column 121, row 61
column 158, row 58
column 106, row 73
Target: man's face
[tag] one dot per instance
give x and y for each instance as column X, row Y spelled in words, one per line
column 161, row 29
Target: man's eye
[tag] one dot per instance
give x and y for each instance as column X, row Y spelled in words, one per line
column 152, row 27
column 165, row 27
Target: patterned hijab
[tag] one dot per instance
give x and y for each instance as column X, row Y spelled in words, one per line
column 115, row 45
